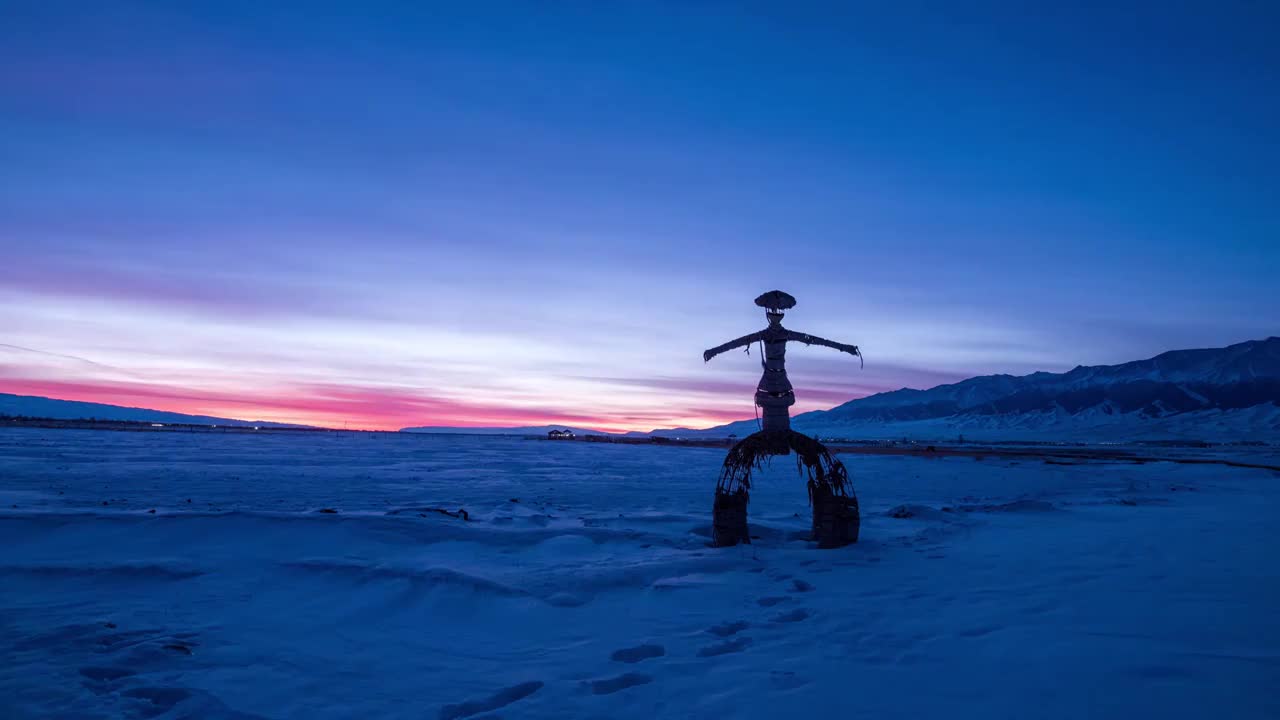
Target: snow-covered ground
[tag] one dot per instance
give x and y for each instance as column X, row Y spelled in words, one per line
column 581, row 585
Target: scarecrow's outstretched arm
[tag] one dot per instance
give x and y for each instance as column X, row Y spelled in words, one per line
column 740, row 342
column 815, row 340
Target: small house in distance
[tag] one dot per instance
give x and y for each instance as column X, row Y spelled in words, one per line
column 560, row 435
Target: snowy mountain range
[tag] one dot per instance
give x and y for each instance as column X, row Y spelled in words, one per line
column 1219, row 394
column 51, row 408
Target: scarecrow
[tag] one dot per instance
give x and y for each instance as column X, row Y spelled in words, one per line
column 835, row 507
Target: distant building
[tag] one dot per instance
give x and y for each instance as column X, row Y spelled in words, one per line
column 560, row 435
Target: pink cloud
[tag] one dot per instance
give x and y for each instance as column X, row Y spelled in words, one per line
column 373, row 408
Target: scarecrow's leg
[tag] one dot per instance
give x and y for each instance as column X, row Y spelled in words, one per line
column 836, row 520
column 729, row 519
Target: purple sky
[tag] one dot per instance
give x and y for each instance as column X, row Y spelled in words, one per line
column 397, row 215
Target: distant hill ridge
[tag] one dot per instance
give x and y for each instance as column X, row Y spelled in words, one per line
column 54, row 409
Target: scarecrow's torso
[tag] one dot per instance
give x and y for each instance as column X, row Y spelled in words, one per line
column 773, row 381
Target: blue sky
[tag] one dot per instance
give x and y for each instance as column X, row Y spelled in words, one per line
column 499, row 213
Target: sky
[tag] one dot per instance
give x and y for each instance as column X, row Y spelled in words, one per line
column 381, row 215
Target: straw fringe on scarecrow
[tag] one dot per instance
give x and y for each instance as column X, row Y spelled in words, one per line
column 835, row 506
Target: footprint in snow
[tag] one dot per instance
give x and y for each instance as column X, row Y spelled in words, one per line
column 728, row 628
column 794, row 616
column 771, row 601
column 638, row 653
column 608, row 686
column 103, row 680
column 162, row 699
column 502, row 698
column 735, row 645
column 798, row 585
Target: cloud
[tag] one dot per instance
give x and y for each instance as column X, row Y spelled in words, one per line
column 161, row 288
column 62, row 356
column 376, row 408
